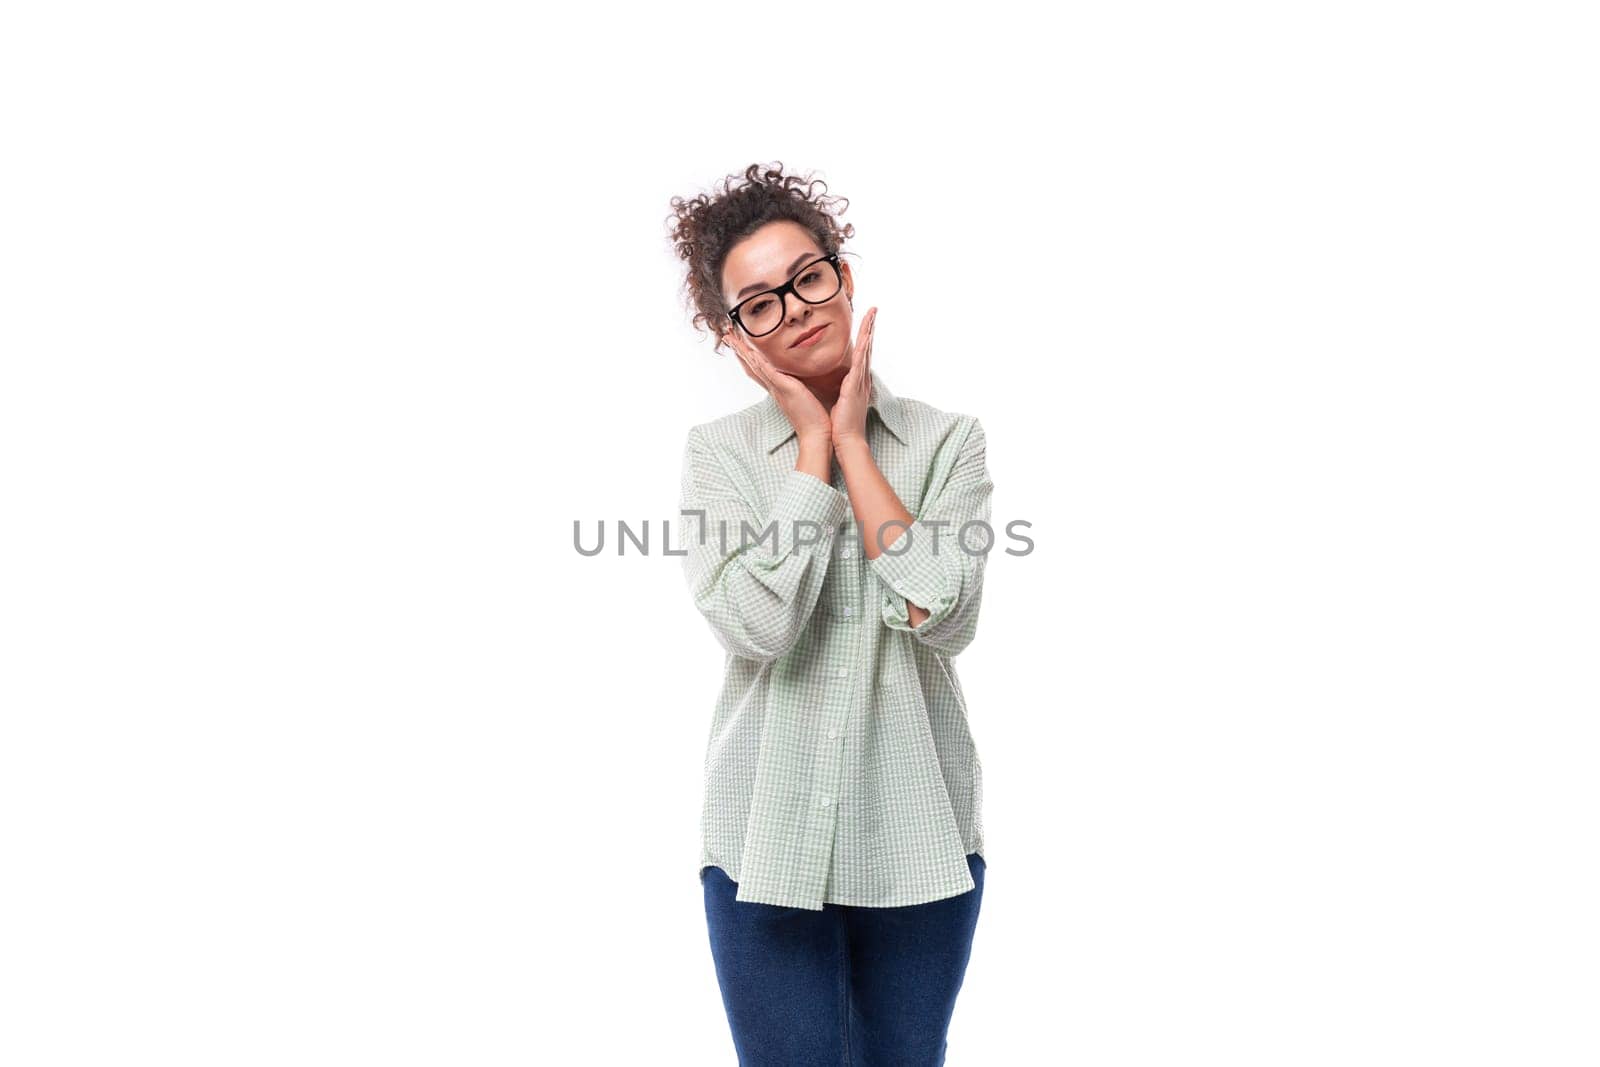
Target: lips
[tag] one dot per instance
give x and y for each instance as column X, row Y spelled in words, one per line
column 803, row 338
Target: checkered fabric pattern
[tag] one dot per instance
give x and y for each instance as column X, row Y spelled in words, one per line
column 839, row 766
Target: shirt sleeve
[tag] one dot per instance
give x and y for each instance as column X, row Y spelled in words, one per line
column 946, row 578
column 755, row 578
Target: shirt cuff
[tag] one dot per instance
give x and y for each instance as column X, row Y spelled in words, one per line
column 919, row 572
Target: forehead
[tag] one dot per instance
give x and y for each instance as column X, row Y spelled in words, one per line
column 765, row 258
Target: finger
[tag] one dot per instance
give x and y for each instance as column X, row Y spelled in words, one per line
column 776, row 379
column 860, row 342
column 743, row 352
column 872, row 332
column 745, row 364
column 759, row 368
column 858, row 357
column 746, row 352
column 754, row 370
column 748, row 373
column 771, row 377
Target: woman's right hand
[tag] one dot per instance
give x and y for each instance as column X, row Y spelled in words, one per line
column 806, row 413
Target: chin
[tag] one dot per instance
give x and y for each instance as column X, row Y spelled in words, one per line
column 812, row 362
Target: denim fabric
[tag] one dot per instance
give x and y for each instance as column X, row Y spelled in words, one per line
column 847, row 985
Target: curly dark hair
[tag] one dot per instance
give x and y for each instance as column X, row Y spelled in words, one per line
column 704, row 228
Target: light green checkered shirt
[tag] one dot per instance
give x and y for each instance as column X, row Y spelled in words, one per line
column 839, row 766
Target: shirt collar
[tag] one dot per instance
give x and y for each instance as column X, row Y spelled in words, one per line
column 776, row 428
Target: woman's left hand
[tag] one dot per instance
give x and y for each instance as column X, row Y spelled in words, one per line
column 848, row 416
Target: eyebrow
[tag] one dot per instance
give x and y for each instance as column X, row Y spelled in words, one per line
column 758, row 286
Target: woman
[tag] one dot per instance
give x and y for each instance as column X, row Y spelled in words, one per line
column 834, row 538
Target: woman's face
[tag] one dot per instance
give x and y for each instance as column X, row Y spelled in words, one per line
column 766, row 259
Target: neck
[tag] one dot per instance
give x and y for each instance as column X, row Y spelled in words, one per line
column 826, row 388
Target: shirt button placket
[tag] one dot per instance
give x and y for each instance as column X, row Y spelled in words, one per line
column 849, row 576
column 833, row 731
column 828, row 786
column 831, row 778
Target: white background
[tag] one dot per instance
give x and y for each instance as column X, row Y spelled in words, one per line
column 323, row 323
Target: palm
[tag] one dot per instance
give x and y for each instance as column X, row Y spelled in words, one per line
column 805, row 412
column 849, row 416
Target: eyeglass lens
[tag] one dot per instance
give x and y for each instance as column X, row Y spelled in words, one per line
column 816, row 283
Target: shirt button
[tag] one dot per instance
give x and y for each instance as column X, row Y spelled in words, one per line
column 833, row 733
column 842, row 672
column 824, row 801
column 847, row 612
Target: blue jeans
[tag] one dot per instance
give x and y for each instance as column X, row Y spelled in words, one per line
column 855, row 986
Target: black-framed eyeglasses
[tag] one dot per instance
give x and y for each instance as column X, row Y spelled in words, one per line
column 816, row 283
